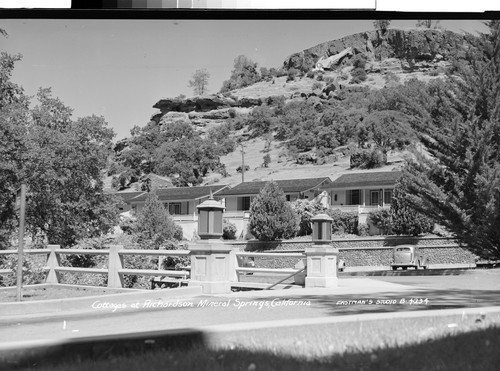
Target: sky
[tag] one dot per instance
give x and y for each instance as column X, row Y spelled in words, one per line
column 120, row 68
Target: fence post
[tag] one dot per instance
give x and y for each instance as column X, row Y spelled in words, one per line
column 53, row 261
column 115, row 264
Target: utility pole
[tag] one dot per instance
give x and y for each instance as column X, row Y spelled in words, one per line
column 242, row 162
column 21, row 207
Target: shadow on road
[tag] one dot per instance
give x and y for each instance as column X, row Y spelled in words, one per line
column 476, row 350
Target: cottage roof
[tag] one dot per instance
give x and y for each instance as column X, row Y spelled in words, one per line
column 181, row 193
column 368, row 179
column 288, row 186
column 126, row 196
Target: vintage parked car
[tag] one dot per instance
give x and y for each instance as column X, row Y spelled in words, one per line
column 405, row 256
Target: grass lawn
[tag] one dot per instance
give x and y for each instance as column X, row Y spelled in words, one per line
column 457, row 342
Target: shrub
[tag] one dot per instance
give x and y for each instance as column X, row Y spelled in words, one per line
column 228, row 230
column 178, row 233
column 239, row 168
column 363, row 229
column 310, row 74
column 264, row 73
column 267, row 160
column 127, row 225
column 305, row 210
column 33, row 270
column 343, row 221
column 271, row 216
column 291, row 74
column 434, row 73
column 382, row 219
column 173, row 262
column 87, row 261
column 367, row 159
column 391, row 78
column 317, row 85
column 358, row 75
column 359, row 61
column 154, row 225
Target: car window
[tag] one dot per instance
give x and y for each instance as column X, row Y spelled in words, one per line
column 403, row 249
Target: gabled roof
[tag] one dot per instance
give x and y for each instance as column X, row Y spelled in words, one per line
column 368, row 179
column 125, row 196
column 181, row 193
column 288, row 186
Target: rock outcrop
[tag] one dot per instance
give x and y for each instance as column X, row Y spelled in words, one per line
column 407, row 45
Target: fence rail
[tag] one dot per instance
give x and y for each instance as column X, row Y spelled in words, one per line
column 290, row 271
column 115, row 269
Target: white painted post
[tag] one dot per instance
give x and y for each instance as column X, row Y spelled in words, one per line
column 53, row 261
column 115, row 264
column 211, row 266
column 321, row 256
column 211, row 259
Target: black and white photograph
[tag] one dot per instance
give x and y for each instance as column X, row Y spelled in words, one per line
column 249, row 189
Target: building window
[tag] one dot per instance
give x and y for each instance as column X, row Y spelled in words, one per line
column 288, row 197
column 353, row 197
column 374, row 198
column 388, row 196
column 174, row 208
column 245, row 203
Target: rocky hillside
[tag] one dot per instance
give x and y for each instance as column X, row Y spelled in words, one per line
column 417, row 53
column 411, row 47
column 323, row 72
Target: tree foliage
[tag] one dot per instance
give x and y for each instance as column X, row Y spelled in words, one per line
column 427, row 23
column 388, row 130
column 244, row 73
column 14, row 113
column 382, row 219
column 305, row 210
column 381, row 24
column 154, row 225
column 175, row 150
column 199, row 82
column 271, row 216
column 344, row 222
column 405, row 220
column 63, row 171
column 60, row 160
column 459, row 184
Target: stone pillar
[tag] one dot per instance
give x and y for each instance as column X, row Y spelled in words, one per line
column 210, row 258
column 321, row 256
column 210, row 266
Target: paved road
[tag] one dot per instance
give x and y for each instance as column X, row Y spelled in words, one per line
column 477, row 279
column 374, row 295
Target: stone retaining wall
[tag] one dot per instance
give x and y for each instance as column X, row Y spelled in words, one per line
column 365, row 251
